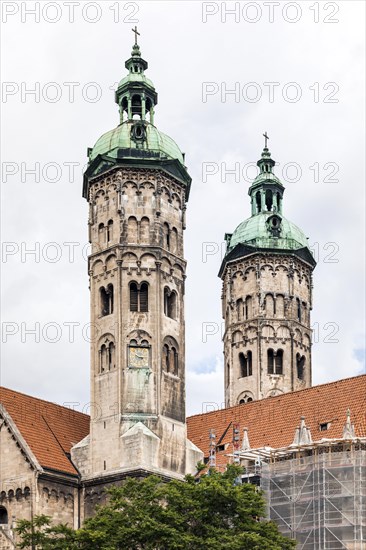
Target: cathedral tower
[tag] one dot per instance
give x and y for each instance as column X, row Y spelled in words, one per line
column 266, row 297
column 137, row 186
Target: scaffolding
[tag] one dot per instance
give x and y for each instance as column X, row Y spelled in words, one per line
column 316, row 493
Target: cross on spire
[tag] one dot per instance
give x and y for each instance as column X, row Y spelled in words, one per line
column 136, row 33
column 266, row 138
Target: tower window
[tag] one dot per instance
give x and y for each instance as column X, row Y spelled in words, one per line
column 139, row 297
column 3, row 516
column 298, row 309
column 300, row 366
column 111, row 356
column 133, row 297
column 279, row 362
column 170, row 358
column 275, row 361
column 109, row 231
column 101, row 233
column 245, row 364
column 170, row 303
column 166, row 232
column 106, row 300
column 136, row 106
column 258, row 201
column 144, row 297
column 174, row 240
column 269, row 200
column 103, row 358
column 248, row 307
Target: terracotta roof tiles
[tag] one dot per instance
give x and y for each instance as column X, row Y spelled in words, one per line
column 272, row 421
column 50, row 430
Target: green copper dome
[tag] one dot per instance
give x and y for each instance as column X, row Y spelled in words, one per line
column 257, row 231
column 136, row 78
column 267, row 229
column 136, row 141
column 123, row 137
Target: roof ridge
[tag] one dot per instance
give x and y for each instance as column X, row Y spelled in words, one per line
column 272, row 398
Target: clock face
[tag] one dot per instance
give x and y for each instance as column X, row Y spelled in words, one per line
column 138, row 358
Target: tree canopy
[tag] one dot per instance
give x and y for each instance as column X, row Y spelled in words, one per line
column 216, row 512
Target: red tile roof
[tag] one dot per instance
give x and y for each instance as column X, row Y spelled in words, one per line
column 50, row 430
column 272, row 421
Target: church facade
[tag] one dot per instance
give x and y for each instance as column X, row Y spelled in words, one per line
column 58, row 462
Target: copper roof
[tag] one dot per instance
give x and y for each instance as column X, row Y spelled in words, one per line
column 272, row 422
column 50, row 430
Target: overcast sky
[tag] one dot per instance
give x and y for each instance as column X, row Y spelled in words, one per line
column 297, row 70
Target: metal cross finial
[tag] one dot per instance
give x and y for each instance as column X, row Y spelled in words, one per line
column 265, row 139
column 136, row 33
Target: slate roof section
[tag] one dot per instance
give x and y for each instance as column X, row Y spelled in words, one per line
column 272, row 422
column 50, row 430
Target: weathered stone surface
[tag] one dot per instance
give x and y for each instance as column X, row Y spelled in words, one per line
column 267, row 299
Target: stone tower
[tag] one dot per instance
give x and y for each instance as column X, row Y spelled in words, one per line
column 266, row 298
column 137, row 187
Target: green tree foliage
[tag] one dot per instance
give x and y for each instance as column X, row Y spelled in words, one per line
column 216, row 512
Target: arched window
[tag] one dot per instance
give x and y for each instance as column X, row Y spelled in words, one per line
column 278, row 202
column 111, row 356
column 134, row 303
column 170, row 357
column 144, row 297
column 248, row 307
column 173, row 361
column 110, row 297
column 166, row 363
column 136, row 106
column 3, row 516
column 300, row 366
column 258, row 201
column 269, row 200
column 298, row 309
column 106, row 300
column 174, row 240
column 139, row 297
column 279, row 362
column 103, row 358
column 275, row 361
column 103, row 301
column 245, row 364
column 110, row 231
column 101, row 233
column 249, row 363
column 227, row 374
column 270, row 361
column 245, row 399
column 166, row 236
column 170, row 303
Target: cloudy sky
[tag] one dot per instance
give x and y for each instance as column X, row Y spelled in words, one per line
column 293, row 69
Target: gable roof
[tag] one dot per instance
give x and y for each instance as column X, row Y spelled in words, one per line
column 50, row 430
column 272, row 422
